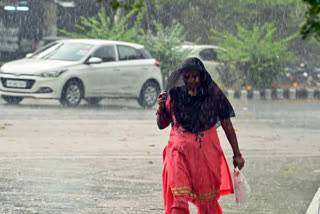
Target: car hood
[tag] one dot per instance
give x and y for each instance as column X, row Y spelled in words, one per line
column 34, row 66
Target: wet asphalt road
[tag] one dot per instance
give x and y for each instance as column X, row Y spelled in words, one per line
column 296, row 113
column 107, row 158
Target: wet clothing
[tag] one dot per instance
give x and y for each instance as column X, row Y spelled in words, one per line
column 194, row 169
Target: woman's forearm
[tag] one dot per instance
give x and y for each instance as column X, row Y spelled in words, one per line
column 163, row 119
column 231, row 136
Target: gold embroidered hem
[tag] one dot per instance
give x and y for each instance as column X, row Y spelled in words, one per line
column 187, row 191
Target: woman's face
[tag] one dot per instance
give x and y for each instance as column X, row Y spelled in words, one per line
column 191, row 78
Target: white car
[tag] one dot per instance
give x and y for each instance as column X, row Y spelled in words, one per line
column 208, row 55
column 75, row 69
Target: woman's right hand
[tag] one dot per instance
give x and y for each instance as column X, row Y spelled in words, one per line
column 162, row 98
column 238, row 161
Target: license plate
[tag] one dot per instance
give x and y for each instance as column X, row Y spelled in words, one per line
column 16, row 84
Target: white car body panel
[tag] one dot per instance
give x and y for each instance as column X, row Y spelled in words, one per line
column 134, row 72
column 99, row 79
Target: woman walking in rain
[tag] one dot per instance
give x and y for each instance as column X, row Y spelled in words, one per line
column 195, row 169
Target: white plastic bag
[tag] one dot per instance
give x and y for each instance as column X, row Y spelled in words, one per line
column 241, row 187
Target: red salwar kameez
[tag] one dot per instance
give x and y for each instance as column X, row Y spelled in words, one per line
column 195, row 170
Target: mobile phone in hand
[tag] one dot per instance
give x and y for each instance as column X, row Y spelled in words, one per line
column 164, row 96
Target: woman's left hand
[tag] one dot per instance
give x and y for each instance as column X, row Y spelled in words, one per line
column 238, row 161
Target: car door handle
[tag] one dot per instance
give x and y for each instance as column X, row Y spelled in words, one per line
column 116, row 69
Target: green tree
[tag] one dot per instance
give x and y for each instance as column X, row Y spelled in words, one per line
column 311, row 27
column 164, row 43
column 198, row 17
column 258, row 56
column 110, row 28
column 116, row 4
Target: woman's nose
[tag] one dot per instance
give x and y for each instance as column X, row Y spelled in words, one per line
column 190, row 79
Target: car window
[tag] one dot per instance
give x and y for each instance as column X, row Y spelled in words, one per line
column 129, row 53
column 44, row 49
column 106, row 53
column 208, row 54
column 145, row 53
column 64, row 51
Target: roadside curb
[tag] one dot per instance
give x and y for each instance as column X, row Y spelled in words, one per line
column 273, row 94
column 314, row 207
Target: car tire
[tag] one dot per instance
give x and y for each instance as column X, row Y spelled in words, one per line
column 93, row 100
column 72, row 93
column 149, row 93
column 12, row 99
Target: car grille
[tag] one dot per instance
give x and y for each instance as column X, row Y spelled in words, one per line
column 29, row 83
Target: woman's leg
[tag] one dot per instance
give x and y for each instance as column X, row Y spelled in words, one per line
column 180, row 206
column 172, row 204
column 211, row 207
column 176, row 205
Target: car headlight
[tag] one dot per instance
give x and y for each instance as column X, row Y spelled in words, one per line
column 1, row 69
column 54, row 73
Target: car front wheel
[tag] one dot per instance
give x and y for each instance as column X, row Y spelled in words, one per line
column 12, row 100
column 72, row 93
column 148, row 94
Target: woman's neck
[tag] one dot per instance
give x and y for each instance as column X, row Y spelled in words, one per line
column 193, row 92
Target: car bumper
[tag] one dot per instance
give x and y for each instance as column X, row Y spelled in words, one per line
column 36, row 87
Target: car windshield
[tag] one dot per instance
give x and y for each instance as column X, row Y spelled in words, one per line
column 63, row 51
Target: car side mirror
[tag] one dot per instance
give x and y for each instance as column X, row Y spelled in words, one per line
column 94, row 60
column 29, row 55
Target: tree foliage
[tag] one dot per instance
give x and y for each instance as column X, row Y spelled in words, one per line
column 164, row 43
column 259, row 57
column 311, row 27
column 198, row 17
column 105, row 27
column 115, row 4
